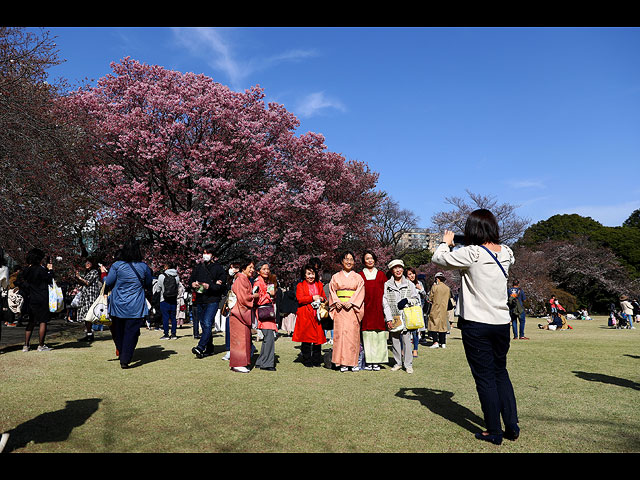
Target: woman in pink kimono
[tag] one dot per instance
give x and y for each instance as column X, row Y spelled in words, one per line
column 240, row 319
column 347, row 305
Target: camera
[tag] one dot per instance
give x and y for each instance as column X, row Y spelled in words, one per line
column 458, row 239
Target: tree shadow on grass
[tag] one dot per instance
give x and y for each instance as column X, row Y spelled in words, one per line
column 52, row 426
column 600, row 377
column 440, row 402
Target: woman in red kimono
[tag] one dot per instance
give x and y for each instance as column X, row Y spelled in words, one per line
column 374, row 326
column 308, row 329
column 240, row 319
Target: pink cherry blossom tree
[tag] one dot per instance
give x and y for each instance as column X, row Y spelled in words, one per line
column 182, row 160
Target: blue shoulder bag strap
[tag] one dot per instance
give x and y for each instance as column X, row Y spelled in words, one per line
column 141, row 283
column 497, row 261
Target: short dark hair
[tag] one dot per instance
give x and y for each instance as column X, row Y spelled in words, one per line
column 35, row 256
column 131, row 251
column 481, row 227
column 245, row 262
column 343, row 255
column 308, row 266
column 209, row 247
column 369, row 252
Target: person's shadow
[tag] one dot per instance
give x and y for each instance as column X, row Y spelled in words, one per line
column 600, row 377
column 440, row 402
column 52, row 426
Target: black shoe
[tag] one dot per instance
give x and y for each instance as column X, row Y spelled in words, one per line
column 87, row 338
column 269, row 369
column 197, row 352
column 125, row 365
column 495, row 439
column 512, row 433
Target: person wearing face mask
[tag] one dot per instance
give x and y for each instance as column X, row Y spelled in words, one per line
column 208, row 280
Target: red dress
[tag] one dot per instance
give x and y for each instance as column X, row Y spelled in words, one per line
column 308, row 329
column 373, row 318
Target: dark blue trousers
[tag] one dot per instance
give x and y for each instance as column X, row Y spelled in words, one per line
column 125, row 335
column 486, row 348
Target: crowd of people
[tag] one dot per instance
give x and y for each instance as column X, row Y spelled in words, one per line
column 358, row 313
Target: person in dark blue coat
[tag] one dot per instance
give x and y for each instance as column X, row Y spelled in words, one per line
column 128, row 280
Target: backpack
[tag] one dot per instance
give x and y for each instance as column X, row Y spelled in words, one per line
column 170, row 288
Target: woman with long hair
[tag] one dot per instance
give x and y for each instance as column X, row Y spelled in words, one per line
column 484, row 318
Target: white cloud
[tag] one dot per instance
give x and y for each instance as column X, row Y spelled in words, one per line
column 216, row 48
column 526, row 184
column 315, row 103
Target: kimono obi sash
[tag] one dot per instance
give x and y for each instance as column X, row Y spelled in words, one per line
column 345, row 295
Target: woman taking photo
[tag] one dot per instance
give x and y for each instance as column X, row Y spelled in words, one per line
column 128, row 279
column 484, row 318
column 308, row 330
column 399, row 293
column 346, row 301
column 241, row 317
column 374, row 327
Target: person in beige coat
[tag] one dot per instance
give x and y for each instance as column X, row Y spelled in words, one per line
column 438, row 322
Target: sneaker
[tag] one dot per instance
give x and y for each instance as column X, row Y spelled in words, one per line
column 173, row 337
column 396, row 368
column 409, row 369
column 44, row 348
column 444, row 345
column 344, row 369
column 435, row 345
column 164, row 337
column 240, row 369
column 25, row 348
column 226, row 356
column 376, row 368
column 355, row 369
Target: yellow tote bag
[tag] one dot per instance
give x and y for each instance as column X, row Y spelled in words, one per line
column 413, row 317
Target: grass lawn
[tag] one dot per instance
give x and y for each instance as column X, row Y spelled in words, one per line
column 577, row 392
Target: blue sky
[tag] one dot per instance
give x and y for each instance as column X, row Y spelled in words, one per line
column 546, row 118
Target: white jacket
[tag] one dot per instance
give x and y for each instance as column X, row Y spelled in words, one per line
column 483, row 291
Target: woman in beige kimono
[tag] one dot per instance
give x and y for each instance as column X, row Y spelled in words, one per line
column 240, row 319
column 346, row 299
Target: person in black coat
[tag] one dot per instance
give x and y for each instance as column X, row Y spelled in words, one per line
column 36, row 278
column 209, row 281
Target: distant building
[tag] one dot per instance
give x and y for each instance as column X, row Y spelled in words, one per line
column 419, row 239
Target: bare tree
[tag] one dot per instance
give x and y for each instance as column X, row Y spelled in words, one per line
column 511, row 225
column 391, row 222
